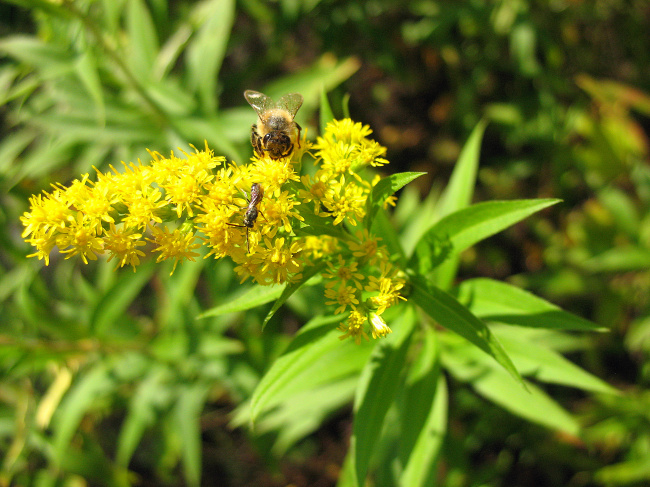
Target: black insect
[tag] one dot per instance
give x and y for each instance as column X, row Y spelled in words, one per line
column 251, row 211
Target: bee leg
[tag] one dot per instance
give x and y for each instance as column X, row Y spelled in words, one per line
column 256, row 141
column 299, row 129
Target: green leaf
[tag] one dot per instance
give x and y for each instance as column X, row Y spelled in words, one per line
column 187, row 414
column 424, row 415
column 105, row 318
column 378, row 386
column 314, row 357
column 211, row 129
column 251, row 298
column 48, row 6
column 292, row 287
column 345, row 105
column 206, row 51
column 462, row 229
column 421, row 462
column 620, row 259
column 501, row 302
column 51, row 61
column 530, row 403
column 457, row 195
column 635, row 471
column 86, row 69
column 150, row 396
column 325, row 74
column 326, row 115
column 304, row 412
column 383, row 228
column 317, row 226
column 385, row 188
column 92, row 386
column 546, row 365
column 448, row 312
column 143, row 40
column 459, row 191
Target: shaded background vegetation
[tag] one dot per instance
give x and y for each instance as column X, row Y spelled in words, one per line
column 565, row 88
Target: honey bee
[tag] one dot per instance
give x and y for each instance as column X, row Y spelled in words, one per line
column 275, row 131
column 257, row 193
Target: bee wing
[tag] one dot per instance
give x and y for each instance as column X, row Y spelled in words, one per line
column 291, row 103
column 259, row 101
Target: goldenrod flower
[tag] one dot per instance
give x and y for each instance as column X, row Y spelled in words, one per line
column 379, row 327
column 344, row 296
column 177, row 245
column 354, row 327
column 123, row 245
column 366, row 247
column 173, row 205
column 80, row 237
column 343, row 271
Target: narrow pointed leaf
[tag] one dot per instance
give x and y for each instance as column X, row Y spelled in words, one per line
column 82, row 397
column 206, row 51
column 460, row 189
column 292, row 287
column 462, row 229
column 423, row 458
column 143, row 39
column 385, row 188
column 456, row 196
column 378, row 386
column 501, row 302
column 151, row 393
column 315, row 356
column 451, row 314
column 530, row 403
column 188, row 428
column 326, row 115
column 252, row 298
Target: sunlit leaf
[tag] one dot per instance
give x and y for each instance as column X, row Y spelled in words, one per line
column 378, row 386
column 451, row 314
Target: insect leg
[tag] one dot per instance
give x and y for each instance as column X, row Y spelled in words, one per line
column 299, row 129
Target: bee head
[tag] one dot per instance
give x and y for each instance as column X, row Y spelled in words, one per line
column 277, row 144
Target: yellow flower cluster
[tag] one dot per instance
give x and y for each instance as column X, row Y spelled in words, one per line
column 251, row 213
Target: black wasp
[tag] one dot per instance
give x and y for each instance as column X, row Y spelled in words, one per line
column 251, row 211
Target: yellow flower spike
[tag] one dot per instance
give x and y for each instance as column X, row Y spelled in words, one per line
column 43, row 247
column 278, row 210
column 177, row 245
column 119, row 212
column 279, row 261
column 344, row 296
column 379, row 327
column 122, row 244
column 49, row 212
column 315, row 190
column 336, row 158
column 353, row 327
column 184, row 191
column 343, row 272
column 367, row 247
column 344, row 130
column 319, row 247
column 272, row 174
column 141, row 206
column 345, row 200
column 247, row 268
column 80, row 237
column 220, row 237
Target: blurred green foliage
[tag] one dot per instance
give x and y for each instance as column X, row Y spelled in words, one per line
column 117, row 365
